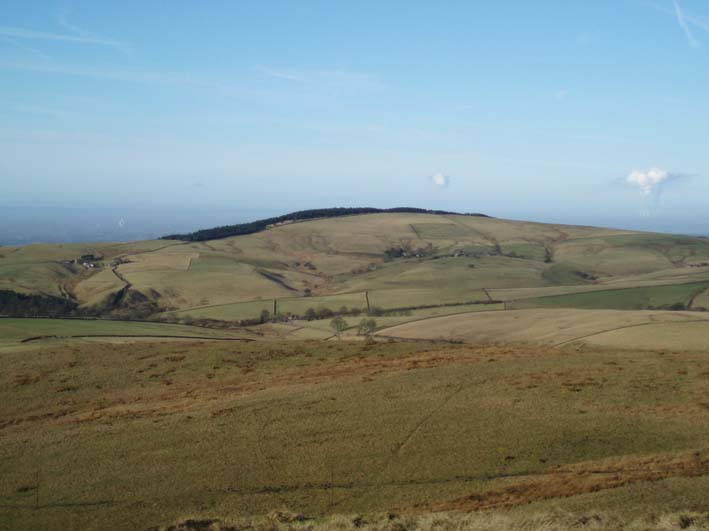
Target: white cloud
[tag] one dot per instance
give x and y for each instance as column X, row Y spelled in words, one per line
column 440, row 180
column 648, row 181
column 561, row 94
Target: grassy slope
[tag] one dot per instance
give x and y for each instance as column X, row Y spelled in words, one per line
column 129, row 436
column 701, row 301
column 691, row 335
column 622, row 299
column 335, row 248
column 553, row 327
column 13, row 331
column 346, row 256
column 38, row 269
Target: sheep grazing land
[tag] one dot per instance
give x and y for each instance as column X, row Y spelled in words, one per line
column 128, row 435
column 379, row 371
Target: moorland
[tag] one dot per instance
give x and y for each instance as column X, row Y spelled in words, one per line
column 514, row 374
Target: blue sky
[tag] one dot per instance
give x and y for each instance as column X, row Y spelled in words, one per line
column 528, row 110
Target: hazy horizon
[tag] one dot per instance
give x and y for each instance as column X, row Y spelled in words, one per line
column 55, row 224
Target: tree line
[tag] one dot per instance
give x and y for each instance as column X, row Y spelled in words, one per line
column 256, row 226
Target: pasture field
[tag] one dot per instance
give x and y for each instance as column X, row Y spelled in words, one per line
column 701, row 301
column 554, row 327
column 96, row 289
column 515, row 294
column 689, row 335
column 295, row 305
column 43, row 253
column 39, row 278
column 14, row 331
column 131, row 436
column 386, row 321
column 677, row 296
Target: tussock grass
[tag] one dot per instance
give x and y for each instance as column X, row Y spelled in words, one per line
column 128, row 436
column 451, row 521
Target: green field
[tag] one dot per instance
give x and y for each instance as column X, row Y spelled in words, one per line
column 14, row 331
column 131, row 436
column 701, row 301
column 674, row 296
column 295, row 305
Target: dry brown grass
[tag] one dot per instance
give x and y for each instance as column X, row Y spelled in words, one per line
column 581, row 478
column 132, row 436
column 657, row 329
column 450, row 521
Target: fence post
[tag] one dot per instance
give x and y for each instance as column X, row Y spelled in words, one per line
column 36, row 490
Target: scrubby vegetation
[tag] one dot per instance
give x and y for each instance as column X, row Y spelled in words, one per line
column 21, row 305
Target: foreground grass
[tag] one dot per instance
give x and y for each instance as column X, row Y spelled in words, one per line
column 129, row 436
column 494, row 521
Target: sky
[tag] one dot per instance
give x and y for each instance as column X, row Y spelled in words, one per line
column 582, row 112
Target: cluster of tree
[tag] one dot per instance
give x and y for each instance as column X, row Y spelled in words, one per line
column 676, row 307
column 406, row 251
column 192, row 321
column 259, row 225
column 312, row 314
column 130, row 304
column 366, row 327
column 20, row 305
column 126, row 304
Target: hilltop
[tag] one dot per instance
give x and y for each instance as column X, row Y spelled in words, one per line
column 301, row 215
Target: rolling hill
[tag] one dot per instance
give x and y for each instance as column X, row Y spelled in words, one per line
column 384, row 260
column 520, row 376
